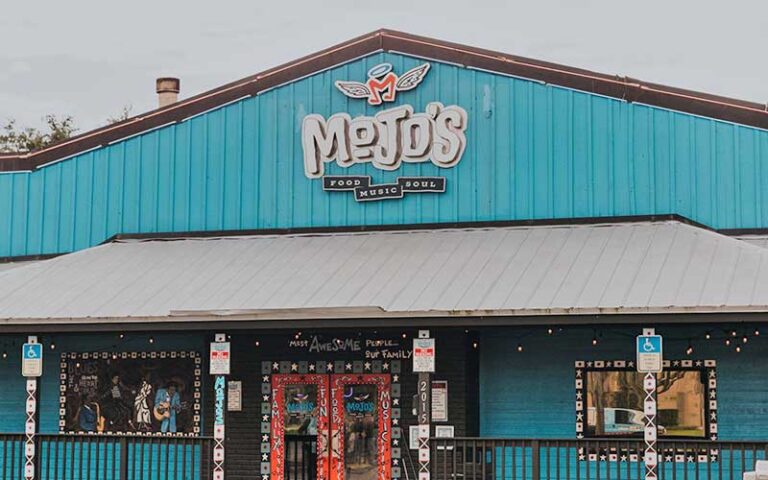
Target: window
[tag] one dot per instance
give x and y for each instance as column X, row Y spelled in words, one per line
column 610, row 399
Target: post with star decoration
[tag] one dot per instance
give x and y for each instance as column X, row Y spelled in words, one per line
column 424, row 365
column 650, row 361
column 31, row 369
column 219, row 368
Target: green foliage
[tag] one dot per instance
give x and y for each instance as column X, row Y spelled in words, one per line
column 124, row 114
column 16, row 139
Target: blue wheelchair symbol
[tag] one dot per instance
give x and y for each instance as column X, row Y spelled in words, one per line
column 32, row 351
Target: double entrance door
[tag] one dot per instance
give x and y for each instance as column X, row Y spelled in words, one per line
column 331, row 427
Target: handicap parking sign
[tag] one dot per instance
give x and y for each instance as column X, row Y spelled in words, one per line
column 649, row 353
column 32, row 359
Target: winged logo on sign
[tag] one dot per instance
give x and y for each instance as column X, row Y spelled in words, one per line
column 383, row 84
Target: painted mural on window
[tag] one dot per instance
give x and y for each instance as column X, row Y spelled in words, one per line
column 144, row 393
column 615, row 403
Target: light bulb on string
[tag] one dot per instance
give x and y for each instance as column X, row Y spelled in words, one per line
column 733, row 333
column 708, row 336
column 519, row 347
column 151, row 339
column 5, row 355
column 256, row 343
column 738, row 348
column 757, row 332
column 689, row 350
column 474, row 344
column 53, row 346
column 744, row 339
column 727, row 342
column 550, row 331
column 121, row 336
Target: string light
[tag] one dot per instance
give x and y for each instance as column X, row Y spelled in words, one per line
column 474, row 344
column 733, row 333
column 257, row 343
column 404, row 334
column 550, row 331
column 519, row 347
column 122, row 336
column 708, row 335
column 53, row 346
column 757, row 332
column 5, row 355
column 727, row 342
column 151, row 339
column 744, row 339
column 689, row 350
column 738, row 348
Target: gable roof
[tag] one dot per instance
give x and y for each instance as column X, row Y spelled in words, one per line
column 532, row 271
column 624, row 88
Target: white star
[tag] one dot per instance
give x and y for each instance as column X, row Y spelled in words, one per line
column 395, row 401
column 395, row 442
column 275, row 366
column 395, row 461
column 265, row 418
column 329, row 367
column 348, row 366
column 294, row 367
column 265, row 438
column 385, row 366
column 264, row 457
column 395, row 421
column 265, row 379
column 367, row 365
column 311, row 367
column 395, row 378
column 265, row 398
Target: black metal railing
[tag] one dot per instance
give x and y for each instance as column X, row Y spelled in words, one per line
column 300, row 457
column 107, row 457
column 604, row 459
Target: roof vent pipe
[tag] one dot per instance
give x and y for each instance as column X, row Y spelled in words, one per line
column 167, row 91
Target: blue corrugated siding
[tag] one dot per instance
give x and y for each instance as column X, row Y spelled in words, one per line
column 532, row 394
column 534, row 151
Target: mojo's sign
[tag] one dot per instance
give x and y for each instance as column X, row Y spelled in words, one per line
column 386, row 141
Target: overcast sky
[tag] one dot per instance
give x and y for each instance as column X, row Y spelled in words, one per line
column 89, row 58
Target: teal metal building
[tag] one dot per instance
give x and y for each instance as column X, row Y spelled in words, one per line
column 309, row 226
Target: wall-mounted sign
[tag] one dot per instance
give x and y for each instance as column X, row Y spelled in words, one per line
column 424, row 355
column 444, row 431
column 234, row 396
column 439, row 401
column 385, row 141
column 220, row 356
column 383, row 83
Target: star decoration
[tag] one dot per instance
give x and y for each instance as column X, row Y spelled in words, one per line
column 265, row 418
column 395, row 402
column 395, row 421
column 329, row 367
column 348, row 366
column 623, row 458
column 699, row 363
column 264, row 457
column 395, row 461
column 691, row 459
column 385, row 366
column 294, row 367
column 367, row 365
column 395, row 442
column 265, row 379
column 265, row 438
column 602, row 458
column 311, row 367
column 579, row 395
column 395, row 378
column 668, row 458
column 275, row 366
column 265, row 398
column 579, row 416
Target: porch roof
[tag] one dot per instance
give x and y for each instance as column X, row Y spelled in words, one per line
column 616, row 268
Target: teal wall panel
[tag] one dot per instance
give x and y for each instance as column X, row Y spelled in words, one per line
column 534, row 151
column 532, row 394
